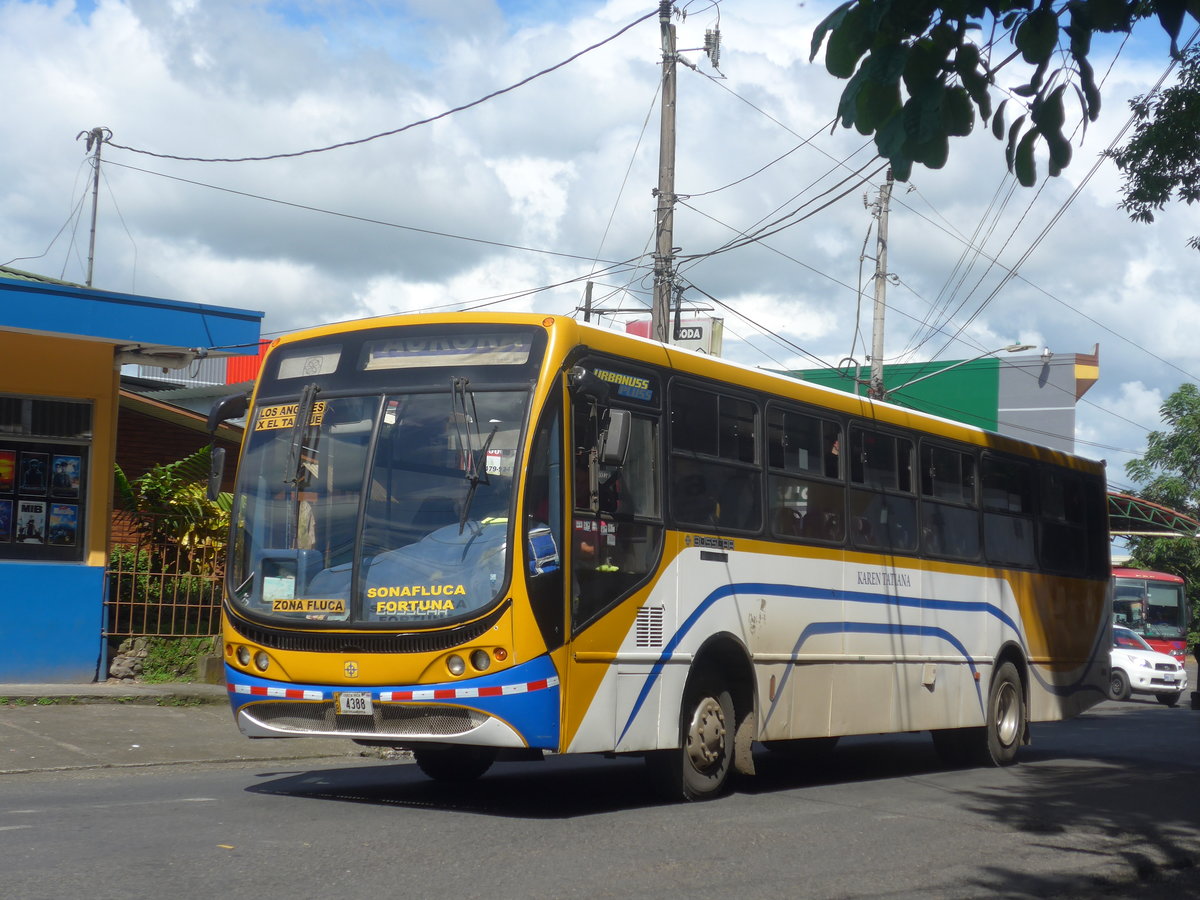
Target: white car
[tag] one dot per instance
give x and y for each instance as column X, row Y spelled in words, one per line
column 1136, row 668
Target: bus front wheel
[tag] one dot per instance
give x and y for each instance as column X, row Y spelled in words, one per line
column 454, row 763
column 699, row 769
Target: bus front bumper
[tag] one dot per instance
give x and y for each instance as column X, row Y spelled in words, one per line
column 515, row 708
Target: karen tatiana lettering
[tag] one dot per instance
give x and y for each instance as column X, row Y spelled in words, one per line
column 884, row 578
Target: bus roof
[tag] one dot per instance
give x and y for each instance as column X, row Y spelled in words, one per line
column 1125, row 572
column 567, row 333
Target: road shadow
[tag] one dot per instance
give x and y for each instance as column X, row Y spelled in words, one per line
column 1121, row 771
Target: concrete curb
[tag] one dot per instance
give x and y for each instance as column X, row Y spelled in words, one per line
column 113, row 692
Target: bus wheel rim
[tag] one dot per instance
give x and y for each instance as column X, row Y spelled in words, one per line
column 707, row 734
column 1007, row 714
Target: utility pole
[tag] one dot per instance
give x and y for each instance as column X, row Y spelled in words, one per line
column 875, row 388
column 95, row 138
column 664, row 261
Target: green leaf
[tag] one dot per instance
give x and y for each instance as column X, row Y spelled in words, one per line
column 923, row 114
column 1025, row 90
column 1060, row 153
column 924, row 65
column 1091, row 93
column 848, row 106
column 1037, row 36
column 933, row 153
column 847, row 43
column 1111, row 15
column 966, row 60
column 1170, row 15
column 944, row 37
column 1047, row 113
column 890, row 137
column 958, row 115
column 828, row 24
column 876, row 104
column 1024, row 167
column 998, row 121
column 901, row 168
column 1011, row 146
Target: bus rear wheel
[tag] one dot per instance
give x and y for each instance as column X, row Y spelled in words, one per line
column 699, row 769
column 996, row 743
column 1005, row 717
column 454, row 763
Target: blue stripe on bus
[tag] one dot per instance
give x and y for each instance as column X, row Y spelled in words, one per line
column 813, row 593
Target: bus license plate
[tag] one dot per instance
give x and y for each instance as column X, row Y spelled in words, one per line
column 353, row 703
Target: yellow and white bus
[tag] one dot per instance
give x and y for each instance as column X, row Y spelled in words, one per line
column 496, row 536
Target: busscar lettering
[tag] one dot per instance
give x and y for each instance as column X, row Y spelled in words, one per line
column 708, row 543
column 884, row 579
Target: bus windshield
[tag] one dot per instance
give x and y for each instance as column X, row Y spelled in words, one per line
column 376, row 508
column 1155, row 609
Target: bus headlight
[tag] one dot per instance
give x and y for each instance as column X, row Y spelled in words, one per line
column 243, row 656
column 456, row 665
column 261, row 660
column 480, row 660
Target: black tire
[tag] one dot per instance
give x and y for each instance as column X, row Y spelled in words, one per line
column 1005, row 717
column 454, row 763
column 997, row 742
column 1169, row 699
column 699, row 769
column 1118, row 685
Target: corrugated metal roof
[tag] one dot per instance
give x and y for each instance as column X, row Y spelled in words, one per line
column 19, row 275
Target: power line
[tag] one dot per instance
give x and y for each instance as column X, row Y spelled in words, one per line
column 364, row 219
column 394, row 131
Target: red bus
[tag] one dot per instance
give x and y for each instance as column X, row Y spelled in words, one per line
column 1153, row 604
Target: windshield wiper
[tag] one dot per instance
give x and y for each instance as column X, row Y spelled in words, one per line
column 473, row 476
column 295, row 465
column 476, row 460
column 296, row 473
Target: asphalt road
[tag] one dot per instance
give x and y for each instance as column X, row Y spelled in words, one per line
column 109, row 800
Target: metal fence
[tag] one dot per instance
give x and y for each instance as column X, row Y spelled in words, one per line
column 164, row 590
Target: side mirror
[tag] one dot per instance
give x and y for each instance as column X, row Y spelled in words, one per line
column 614, row 442
column 232, row 407
column 587, row 384
column 216, row 473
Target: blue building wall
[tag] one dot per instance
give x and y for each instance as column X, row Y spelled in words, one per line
column 55, row 637
column 59, row 342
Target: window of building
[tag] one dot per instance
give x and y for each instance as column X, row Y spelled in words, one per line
column 44, row 450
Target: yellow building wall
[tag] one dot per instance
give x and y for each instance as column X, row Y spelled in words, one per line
column 52, row 367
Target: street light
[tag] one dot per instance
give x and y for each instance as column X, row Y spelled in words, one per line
column 1011, row 348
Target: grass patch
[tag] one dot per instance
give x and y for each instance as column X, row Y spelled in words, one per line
column 174, row 659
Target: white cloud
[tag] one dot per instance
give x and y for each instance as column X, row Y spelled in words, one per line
column 565, row 164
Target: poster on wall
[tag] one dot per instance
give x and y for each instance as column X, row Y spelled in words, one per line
column 64, row 482
column 6, row 518
column 31, row 522
column 33, row 473
column 8, row 471
column 64, row 524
